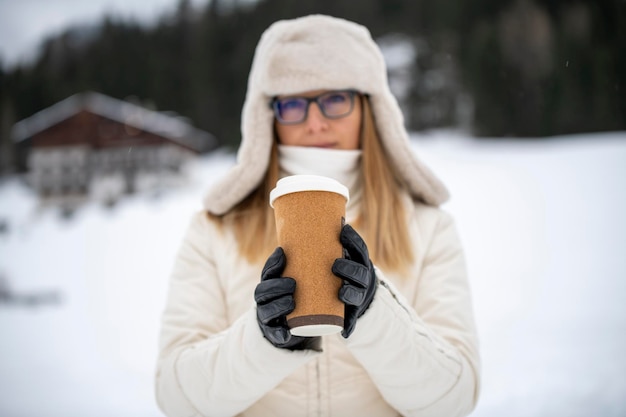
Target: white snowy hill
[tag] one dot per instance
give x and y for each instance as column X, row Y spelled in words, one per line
column 544, row 227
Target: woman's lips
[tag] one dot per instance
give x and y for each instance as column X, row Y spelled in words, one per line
column 323, row 145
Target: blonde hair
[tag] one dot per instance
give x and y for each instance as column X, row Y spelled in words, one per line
column 382, row 221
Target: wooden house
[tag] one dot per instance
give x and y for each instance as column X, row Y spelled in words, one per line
column 90, row 143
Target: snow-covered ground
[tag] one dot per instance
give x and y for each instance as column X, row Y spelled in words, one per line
column 543, row 224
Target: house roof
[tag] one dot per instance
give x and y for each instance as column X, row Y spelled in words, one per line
column 171, row 127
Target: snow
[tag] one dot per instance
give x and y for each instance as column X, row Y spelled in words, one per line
column 542, row 223
column 544, row 230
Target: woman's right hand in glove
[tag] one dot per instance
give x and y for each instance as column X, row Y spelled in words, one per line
column 274, row 298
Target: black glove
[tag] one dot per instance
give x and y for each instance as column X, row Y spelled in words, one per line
column 359, row 279
column 274, row 298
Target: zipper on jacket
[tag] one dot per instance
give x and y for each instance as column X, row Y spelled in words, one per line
column 318, row 378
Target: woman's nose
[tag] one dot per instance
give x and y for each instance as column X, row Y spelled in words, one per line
column 316, row 121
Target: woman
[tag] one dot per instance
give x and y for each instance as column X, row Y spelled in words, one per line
column 318, row 102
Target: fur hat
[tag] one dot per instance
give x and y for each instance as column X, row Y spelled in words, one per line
column 317, row 53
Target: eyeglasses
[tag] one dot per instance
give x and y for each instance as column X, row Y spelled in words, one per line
column 332, row 104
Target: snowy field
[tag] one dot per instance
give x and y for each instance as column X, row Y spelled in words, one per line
column 543, row 224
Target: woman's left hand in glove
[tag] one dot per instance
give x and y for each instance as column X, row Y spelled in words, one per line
column 359, row 279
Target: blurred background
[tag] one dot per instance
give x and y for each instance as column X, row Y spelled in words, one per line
column 500, row 68
column 116, row 116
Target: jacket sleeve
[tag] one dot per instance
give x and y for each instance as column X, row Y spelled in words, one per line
column 428, row 364
column 207, row 366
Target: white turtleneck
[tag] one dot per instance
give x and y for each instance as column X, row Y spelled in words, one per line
column 338, row 164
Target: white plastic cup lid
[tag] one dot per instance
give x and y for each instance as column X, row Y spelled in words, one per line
column 298, row 183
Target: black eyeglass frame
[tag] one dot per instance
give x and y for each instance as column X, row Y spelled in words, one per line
column 273, row 104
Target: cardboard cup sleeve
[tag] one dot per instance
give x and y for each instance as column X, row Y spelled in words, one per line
column 310, row 212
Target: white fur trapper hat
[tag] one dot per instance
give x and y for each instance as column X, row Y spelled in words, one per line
column 317, row 53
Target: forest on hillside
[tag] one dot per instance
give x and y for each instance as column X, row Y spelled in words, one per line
column 524, row 68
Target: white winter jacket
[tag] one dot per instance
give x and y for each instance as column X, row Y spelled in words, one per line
column 413, row 353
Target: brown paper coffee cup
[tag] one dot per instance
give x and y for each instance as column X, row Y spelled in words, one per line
column 310, row 212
